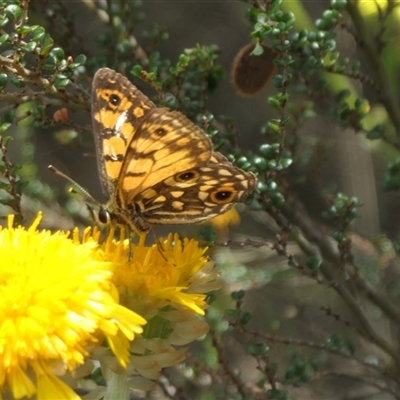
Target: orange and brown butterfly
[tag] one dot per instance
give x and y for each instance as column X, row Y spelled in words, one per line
column 155, row 165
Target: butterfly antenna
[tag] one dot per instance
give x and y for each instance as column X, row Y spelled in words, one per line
column 76, row 184
column 159, row 243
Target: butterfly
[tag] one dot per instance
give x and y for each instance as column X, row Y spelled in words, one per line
column 155, row 165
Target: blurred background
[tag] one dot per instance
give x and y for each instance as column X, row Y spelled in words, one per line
column 300, row 313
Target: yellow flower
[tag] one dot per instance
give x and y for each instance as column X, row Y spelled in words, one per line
column 162, row 274
column 167, row 284
column 222, row 222
column 57, row 301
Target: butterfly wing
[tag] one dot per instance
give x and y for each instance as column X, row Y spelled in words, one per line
column 166, row 144
column 118, row 108
column 172, row 176
column 198, row 194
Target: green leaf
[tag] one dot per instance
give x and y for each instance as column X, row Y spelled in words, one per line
column 64, row 64
column 59, row 83
column 376, row 132
column 71, row 66
column 3, row 81
column 338, row 4
column 238, row 295
column 4, row 126
column 258, row 50
column 4, row 38
column 58, row 52
column 137, row 70
column 13, row 11
column 261, row 164
column 30, row 47
column 3, row 20
column 257, row 349
column 269, row 151
column 7, row 140
column 274, row 102
column 262, row 187
column 286, row 162
column 170, row 101
column 243, row 163
column 4, row 186
column 38, row 32
column 47, row 43
column 313, row 262
column 16, row 82
column 277, row 199
column 362, row 106
column 208, row 234
column 245, row 317
column 274, row 127
column 24, row 30
column 81, row 59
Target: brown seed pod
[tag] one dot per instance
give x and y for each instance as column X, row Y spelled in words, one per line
column 251, row 73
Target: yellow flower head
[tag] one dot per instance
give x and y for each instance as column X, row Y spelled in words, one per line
column 164, row 273
column 57, row 301
column 167, row 284
column 222, row 222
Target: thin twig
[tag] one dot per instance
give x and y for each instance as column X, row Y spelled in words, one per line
column 257, row 335
column 364, row 379
column 227, row 369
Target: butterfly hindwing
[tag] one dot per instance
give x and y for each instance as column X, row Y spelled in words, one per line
column 197, row 194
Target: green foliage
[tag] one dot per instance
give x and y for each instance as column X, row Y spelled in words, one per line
column 12, row 187
column 337, row 343
column 391, row 179
column 300, row 371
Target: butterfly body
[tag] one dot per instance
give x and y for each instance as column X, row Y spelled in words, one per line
column 155, row 165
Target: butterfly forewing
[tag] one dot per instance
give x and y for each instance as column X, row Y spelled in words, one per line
column 118, row 108
column 167, row 143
